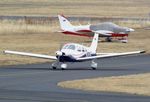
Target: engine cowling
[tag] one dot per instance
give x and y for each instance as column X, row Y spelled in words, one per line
column 59, row 53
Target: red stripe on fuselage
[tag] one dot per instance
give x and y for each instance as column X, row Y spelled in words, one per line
column 87, row 35
column 118, row 35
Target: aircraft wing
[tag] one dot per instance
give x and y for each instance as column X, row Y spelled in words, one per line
column 30, row 54
column 103, row 32
column 105, row 53
column 109, row 55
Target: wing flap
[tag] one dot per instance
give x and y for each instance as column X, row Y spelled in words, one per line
column 30, row 54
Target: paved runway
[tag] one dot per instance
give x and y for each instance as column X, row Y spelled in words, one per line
column 37, row 83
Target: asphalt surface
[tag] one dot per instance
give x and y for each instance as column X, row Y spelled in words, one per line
column 37, row 83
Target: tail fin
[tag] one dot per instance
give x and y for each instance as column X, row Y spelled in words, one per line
column 64, row 23
column 94, row 43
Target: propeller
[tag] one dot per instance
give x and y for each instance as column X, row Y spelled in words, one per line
column 59, row 52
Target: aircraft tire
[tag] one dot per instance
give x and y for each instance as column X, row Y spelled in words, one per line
column 94, row 65
column 108, row 39
column 93, row 68
column 54, row 68
column 63, row 66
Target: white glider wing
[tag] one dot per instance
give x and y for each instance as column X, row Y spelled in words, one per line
column 109, row 55
column 30, row 54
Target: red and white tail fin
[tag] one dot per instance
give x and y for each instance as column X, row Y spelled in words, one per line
column 64, row 23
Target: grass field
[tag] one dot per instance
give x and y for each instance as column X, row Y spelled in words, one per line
column 106, row 8
column 133, row 84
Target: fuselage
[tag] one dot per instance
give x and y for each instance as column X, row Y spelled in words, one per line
column 71, row 51
column 87, row 30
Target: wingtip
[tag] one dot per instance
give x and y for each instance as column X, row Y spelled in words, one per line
column 143, row 51
column 4, row 51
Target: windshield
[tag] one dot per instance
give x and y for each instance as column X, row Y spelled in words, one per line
column 72, row 47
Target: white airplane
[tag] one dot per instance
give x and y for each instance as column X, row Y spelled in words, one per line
column 73, row 52
column 108, row 30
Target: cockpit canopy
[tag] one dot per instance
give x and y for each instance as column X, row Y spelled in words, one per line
column 75, row 47
column 72, row 47
column 104, row 26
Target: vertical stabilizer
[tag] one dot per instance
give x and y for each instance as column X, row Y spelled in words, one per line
column 94, row 43
column 64, row 23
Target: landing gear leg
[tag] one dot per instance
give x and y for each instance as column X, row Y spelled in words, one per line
column 93, row 65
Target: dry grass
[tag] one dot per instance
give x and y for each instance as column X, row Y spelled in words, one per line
column 24, row 26
column 106, row 8
column 134, row 24
column 134, row 84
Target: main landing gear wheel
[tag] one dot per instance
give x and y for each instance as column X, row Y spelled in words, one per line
column 63, row 66
column 93, row 65
column 108, row 39
column 54, row 66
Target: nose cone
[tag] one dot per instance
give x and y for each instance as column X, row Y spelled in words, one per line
column 59, row 53
column 130, row 30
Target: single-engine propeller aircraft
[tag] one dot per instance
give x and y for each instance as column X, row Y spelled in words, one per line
column 108, row 30
column 72, row 52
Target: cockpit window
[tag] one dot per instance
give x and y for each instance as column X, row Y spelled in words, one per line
column 72, row 47
column 65, row 47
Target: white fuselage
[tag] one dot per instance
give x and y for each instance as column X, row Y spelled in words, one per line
column 71, row 51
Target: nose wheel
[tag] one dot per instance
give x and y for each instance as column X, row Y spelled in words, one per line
column 93, row 65
column 63, row 66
